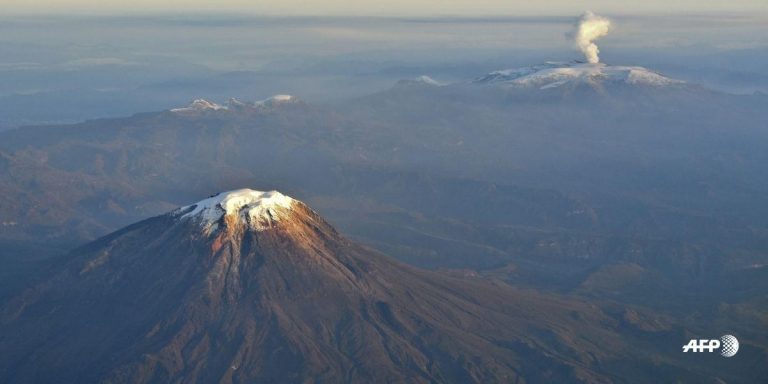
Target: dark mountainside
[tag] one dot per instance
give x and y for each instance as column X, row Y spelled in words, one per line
column 282, row 297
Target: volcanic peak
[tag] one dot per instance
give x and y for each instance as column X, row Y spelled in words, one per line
column 256, row 209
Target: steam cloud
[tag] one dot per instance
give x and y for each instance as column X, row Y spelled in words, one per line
column 590, row 28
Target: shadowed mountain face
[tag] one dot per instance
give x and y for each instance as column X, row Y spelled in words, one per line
column 238, row 289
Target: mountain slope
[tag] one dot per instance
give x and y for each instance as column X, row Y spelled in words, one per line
column 249, row 286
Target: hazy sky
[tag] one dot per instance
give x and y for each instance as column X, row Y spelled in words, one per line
column 390, row 7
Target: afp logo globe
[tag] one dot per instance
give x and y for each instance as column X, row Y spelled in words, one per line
column 729, row 346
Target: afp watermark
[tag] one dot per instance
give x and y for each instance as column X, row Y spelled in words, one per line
column 728, row 345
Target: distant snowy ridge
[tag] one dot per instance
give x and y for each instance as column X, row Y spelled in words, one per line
column 276, row 99
column 199, row 105
column 202, row 105
column 555, row 74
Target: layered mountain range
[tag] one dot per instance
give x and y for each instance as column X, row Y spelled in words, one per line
column 575, row 184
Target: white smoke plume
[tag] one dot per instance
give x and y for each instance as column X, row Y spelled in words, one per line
column 590, row 28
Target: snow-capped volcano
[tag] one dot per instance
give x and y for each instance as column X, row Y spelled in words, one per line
column 199, row 105
column 556, row 74
column 254, row 209
column 295, row 302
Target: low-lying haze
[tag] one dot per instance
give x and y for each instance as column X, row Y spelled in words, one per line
column 56, row 68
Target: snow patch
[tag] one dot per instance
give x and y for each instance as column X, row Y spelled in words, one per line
column 234, row 103
column 199, row 105
column 428, row 80
column 275, row 100
column 256, row 209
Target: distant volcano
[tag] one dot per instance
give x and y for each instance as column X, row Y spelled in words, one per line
column 251, row 286
column 557, row 74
